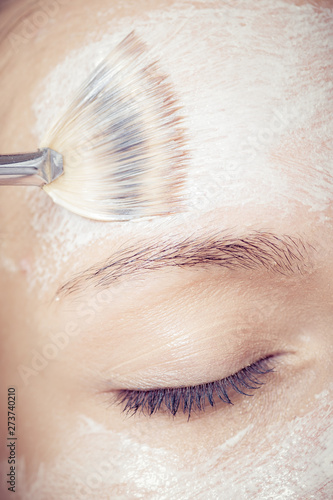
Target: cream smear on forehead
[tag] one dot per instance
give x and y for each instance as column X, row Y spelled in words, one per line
column 252, row 86
column 101, row 463
column 254, row 83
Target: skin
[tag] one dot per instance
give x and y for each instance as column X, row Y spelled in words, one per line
column 169, row 328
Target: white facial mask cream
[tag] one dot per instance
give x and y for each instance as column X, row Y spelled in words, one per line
column 292, row 460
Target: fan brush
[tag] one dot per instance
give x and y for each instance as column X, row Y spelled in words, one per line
column 118, row 152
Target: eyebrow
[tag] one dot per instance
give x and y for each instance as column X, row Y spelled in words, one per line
column 277, row 254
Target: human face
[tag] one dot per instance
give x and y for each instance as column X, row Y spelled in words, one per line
column 254, row 85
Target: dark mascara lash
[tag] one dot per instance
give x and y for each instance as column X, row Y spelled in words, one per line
column 195, row 398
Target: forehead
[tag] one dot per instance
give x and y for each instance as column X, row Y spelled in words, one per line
column 254, row 84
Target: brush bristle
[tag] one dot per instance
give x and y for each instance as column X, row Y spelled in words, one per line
column 122, row 141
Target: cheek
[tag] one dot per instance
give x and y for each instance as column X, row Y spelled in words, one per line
column 292, row 459
column 96, row 462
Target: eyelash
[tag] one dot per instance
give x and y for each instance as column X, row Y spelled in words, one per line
column 189, row 399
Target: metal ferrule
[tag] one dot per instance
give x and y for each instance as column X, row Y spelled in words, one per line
column 31, row 169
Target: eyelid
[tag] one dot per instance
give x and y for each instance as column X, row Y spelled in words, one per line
column 195, row 397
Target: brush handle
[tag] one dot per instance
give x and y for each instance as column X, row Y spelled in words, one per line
column 30, row 169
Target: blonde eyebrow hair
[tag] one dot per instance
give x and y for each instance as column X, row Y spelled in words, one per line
column 262, row 251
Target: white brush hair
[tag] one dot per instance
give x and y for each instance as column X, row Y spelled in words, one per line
column 122, row 141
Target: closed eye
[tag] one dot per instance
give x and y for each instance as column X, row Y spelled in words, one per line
column 195, row 398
